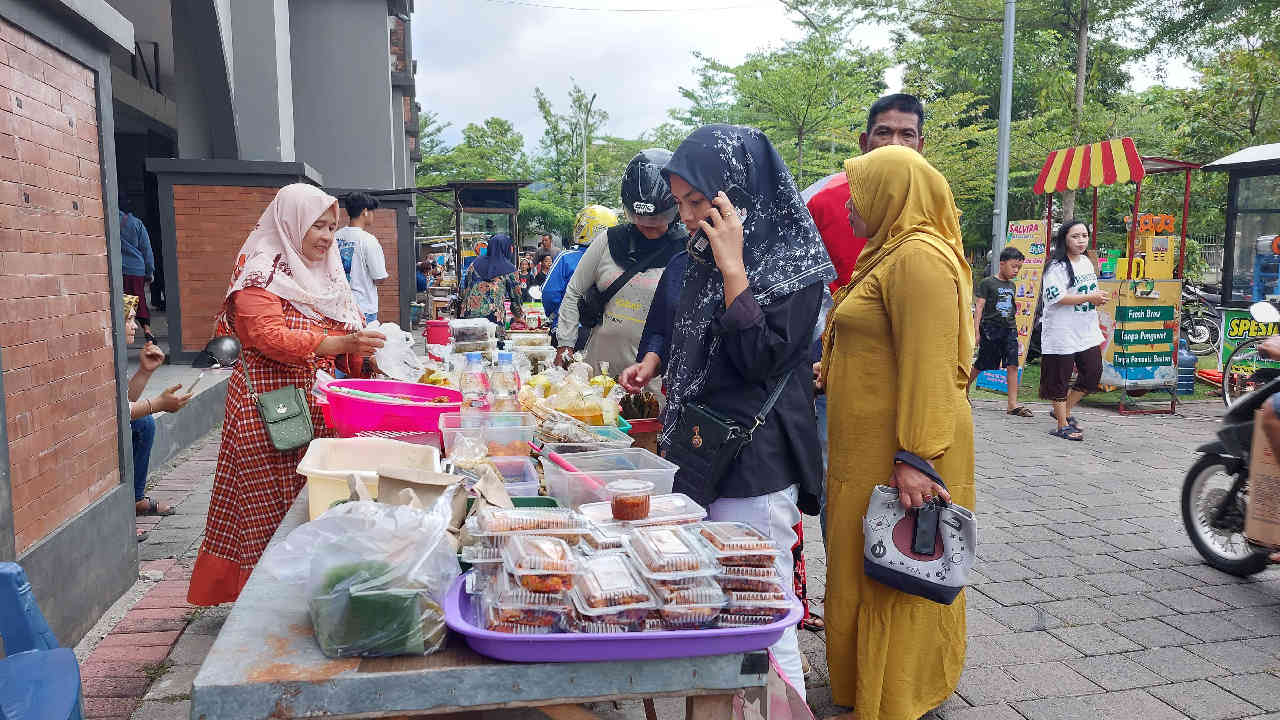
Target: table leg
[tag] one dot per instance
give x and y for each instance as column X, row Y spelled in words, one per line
column 650, row 712
column 708, row 707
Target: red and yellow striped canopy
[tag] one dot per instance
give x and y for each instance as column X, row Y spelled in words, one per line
column 1103, row 163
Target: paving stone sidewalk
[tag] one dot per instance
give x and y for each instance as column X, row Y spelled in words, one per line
column 1089, row 600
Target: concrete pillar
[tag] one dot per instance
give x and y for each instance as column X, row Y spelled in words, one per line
column 262, row 79
column 206, row 123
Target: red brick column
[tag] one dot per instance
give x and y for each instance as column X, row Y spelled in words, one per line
column 55, row 321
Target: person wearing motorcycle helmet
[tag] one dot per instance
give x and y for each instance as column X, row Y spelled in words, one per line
column 614, row 284
column 590, row 222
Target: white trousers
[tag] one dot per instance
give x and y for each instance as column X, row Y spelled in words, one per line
column 776, row 515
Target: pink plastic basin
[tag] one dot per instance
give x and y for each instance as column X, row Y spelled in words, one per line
column 349, row 415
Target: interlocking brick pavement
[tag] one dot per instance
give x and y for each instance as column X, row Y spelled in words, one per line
column 1089, row 601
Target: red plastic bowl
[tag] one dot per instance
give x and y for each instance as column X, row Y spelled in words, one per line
column 349, row 415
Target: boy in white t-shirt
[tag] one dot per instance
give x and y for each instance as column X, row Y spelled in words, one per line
column 1070, row 338
column 362, row 256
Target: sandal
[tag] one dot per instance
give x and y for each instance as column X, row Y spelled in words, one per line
column 815, row 623
column 1069, row 432
column 142, row 535
column 1071, row 419
column 153, row 508
column 1021, row 411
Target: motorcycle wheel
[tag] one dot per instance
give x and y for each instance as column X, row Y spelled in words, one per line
column 1207, row 483
column 1202, row 334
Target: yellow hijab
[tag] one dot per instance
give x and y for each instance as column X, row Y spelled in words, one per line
column 902, row 198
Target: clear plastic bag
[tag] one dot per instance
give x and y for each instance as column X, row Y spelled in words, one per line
column 396, row 358
column 374, row 576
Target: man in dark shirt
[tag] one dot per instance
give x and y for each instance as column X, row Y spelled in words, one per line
column 995, row 325
column 544, row 251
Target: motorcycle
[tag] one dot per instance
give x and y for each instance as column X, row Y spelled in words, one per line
column 1201, row 321
column 1215, row 492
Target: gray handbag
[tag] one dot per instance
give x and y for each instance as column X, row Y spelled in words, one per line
column 946, row 532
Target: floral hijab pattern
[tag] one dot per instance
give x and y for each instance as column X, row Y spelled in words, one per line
column 781, row 248
column 271, row 258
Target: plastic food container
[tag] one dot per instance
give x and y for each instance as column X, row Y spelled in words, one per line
column 490, row 618
column 482, row 346
column 593, row 470
column 486, row 563
column 472, row 330
column 734, row 543
column 629, row 498
column 668, row 554
column 609, row 590
column 541, row 564
column 728, row 620
column 669, row 509
column 604, row 538
column 606, row 438
column 350, row 414
column 530, row 521
column 751, row 579
column 771, row 605
column 540, row 357
column 330, row 462
column 512, row 603
column 528, row 339
column 694, row 604
column 504, row 434
column 519, row 474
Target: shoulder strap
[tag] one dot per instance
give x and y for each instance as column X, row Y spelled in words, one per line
column 252, row 393
column 630, row 272
column 768, row 404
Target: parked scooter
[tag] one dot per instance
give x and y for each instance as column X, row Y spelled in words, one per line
column 1201, row 320
column 1215, row 493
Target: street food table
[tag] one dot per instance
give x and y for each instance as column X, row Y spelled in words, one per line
column 265, row 663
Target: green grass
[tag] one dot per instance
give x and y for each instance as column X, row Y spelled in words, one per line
column 1029, row 389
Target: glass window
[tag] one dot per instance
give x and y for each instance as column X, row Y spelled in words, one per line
column 1257, row 257
column 1258, row 193
column 488, row 223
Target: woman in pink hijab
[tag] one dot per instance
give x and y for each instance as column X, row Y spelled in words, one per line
column 291, row 308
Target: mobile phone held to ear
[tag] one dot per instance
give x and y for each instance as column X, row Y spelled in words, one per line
column 699, row 246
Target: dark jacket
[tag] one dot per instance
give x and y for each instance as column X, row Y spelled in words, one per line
column 757, row 347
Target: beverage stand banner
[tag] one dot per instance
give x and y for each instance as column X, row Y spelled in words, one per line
column 1029, row 237
column 1238, row 326
column 1140, row 332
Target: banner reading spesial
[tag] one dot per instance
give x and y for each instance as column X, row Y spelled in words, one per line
column 1029, row 237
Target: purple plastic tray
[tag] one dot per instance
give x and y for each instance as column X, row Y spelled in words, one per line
column 605, row 647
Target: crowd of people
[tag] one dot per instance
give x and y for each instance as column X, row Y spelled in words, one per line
column 843, row 339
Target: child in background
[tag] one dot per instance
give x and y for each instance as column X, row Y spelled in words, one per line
column 995, row 325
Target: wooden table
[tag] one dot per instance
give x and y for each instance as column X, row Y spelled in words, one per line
column 265, row 663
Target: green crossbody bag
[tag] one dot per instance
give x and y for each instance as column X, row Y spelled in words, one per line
column 286, row 415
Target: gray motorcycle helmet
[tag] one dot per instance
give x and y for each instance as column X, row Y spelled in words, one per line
column 222, row 351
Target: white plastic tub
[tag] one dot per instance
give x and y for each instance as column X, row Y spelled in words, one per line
column 597, row 469
column 329, row 462
column 506, row 434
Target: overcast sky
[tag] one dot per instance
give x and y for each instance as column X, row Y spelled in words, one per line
column 480, row 58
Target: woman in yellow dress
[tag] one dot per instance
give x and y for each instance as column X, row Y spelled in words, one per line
column 896, row 359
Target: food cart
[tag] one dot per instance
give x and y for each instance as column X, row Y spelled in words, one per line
column 1251, row 248
column 1140, row 326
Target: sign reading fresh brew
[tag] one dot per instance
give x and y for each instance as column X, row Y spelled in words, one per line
column 1140, row 328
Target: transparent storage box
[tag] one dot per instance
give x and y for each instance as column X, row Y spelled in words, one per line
column 512, row 603
column 735, row 543
column 669, row 509
column 594, row 470
column 694, row 604
column 504, row 434
column 734, row 620
column 530, row 521
column 540, row 563
column 490, row 618
column 668, row 554
column 483, row 346
column 607, row 438
column 604, row 537
column 540, row 357
column 609, row 590
column 771, row 605
column 472, row 330
column 751, row 579
column 519, row 474
column 516, row 339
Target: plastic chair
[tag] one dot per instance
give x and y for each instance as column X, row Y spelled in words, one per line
column 38, row 679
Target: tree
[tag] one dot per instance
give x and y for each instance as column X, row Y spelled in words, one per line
column 489, row 150
column 560, row 160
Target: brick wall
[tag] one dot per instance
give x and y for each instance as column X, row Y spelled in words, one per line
column 55, row 321
column 396, row 45
column 212, row 222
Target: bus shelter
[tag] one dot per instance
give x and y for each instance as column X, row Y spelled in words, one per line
column 1251, row 248
column 1140, row 324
